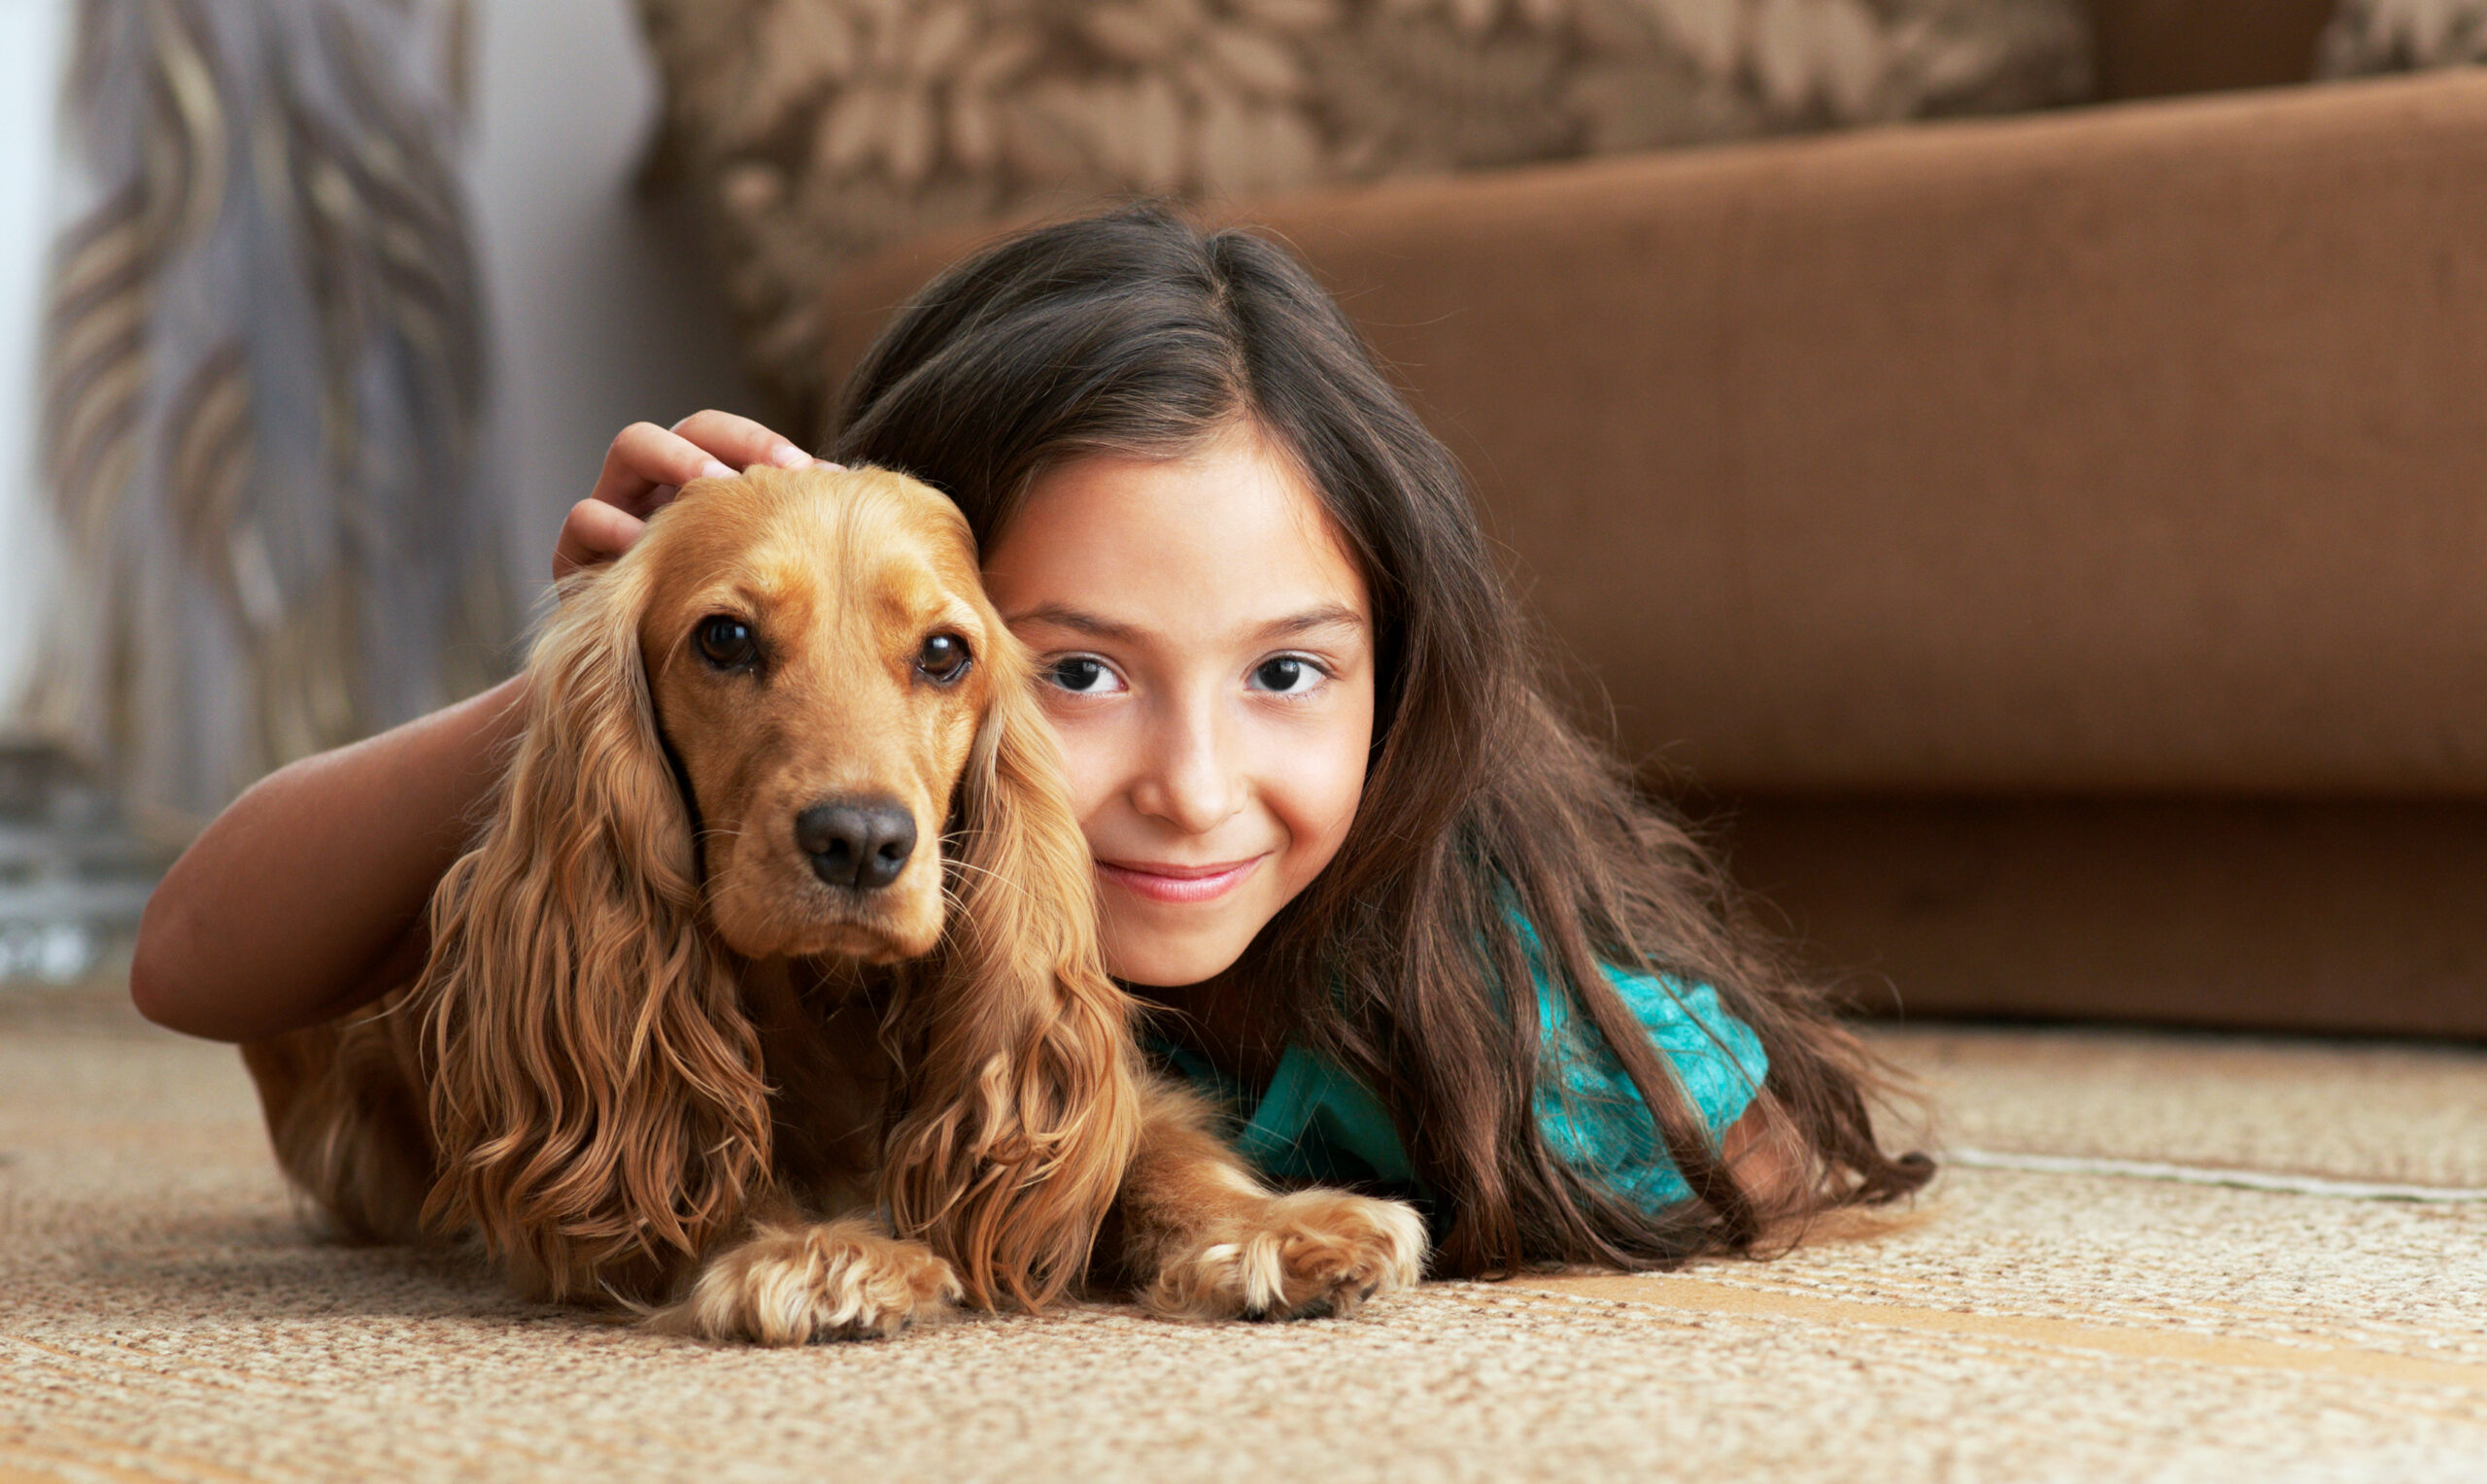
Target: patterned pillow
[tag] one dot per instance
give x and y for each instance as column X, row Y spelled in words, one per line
column 820, row 130
column 2371, row 36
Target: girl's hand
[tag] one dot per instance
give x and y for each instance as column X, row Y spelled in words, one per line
column 647, row 465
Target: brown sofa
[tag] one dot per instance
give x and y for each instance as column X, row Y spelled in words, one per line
column 2052, row 549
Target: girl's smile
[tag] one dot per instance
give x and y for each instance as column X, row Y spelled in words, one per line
column 1165, row 882
column 1206, row 649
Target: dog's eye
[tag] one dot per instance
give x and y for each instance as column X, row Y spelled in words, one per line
column 726, row 642
column 942, row 659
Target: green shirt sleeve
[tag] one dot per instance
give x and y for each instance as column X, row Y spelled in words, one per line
column 1315, row 1123
column 1592, row 1116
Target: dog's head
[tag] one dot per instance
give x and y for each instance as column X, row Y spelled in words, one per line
column 821, row 659
column 786, row 723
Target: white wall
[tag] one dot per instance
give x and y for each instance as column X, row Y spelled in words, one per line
column 602, row 311
column 34, row 36
column 605, row 312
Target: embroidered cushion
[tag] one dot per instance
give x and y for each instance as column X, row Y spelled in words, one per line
column 817, row 131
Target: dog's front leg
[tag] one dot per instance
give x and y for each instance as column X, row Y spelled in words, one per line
column 1201, row 1237
column 791, row 1281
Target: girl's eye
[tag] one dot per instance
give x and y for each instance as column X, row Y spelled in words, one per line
column 726, row 642
column 944, row 658
column 1287, row 675
column 1082, row 675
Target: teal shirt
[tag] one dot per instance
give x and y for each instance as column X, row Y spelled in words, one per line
column 1315, row 1123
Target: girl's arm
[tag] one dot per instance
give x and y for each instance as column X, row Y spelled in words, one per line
column 305, row 898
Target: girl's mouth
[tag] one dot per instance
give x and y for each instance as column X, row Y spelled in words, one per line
column 1166, row 882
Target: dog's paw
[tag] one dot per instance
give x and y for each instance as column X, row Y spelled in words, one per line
column 1302, row 1255
column 790, row 1285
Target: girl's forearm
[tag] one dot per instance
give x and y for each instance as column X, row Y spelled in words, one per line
column 305, row 898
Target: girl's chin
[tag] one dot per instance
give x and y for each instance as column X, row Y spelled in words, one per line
column 1141, row 953
column 1169, row 978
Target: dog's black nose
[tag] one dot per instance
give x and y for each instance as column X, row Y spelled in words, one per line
column 861, row 843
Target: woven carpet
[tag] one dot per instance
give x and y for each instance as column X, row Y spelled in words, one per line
column 2112, row 1313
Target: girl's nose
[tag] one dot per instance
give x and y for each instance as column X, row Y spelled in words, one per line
column 1190, row 782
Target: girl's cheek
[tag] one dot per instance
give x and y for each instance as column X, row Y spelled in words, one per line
column 1332, row 809
column 1319, row 780
column 1092, row 760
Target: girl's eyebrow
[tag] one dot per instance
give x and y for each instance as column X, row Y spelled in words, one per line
column 1098, row 627
column 1076, row 620
column 1327, row 615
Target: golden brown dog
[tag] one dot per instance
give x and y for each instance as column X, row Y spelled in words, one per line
column 770, row 997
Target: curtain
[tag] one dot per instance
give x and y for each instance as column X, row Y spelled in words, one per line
column 263, row 395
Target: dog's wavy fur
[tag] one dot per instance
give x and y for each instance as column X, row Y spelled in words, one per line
column 622, row 1101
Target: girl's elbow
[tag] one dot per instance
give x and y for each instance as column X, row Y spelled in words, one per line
column 152, row 990
column 159, row 988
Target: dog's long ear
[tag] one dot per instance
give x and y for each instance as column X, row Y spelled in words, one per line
column 597, row 1091
column 1019, row 1109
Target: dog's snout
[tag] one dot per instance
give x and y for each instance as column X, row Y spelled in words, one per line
column 862, row 844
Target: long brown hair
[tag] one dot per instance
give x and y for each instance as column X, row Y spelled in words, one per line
column 1137, row 332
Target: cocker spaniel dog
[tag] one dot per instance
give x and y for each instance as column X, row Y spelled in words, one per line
column 769, row 1001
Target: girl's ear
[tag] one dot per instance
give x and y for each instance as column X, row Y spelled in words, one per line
column 596, row 1090
column 1019, row 1108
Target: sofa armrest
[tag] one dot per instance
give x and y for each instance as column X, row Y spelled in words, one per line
column 2138, row 449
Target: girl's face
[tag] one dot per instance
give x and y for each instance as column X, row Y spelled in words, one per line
column 1206, row 650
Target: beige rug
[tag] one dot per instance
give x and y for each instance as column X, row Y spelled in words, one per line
column 162, row 1316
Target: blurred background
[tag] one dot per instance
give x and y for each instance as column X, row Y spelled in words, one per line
column 2010, row 467
column 595, row 312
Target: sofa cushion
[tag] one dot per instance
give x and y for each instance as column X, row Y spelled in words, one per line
column 2372, row 36
column 818, row 130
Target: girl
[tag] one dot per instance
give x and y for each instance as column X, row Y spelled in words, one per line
column 1411, row 928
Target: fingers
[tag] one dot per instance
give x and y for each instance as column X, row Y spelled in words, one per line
column 646, row 465
column 593, row 531
column 740, row 442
